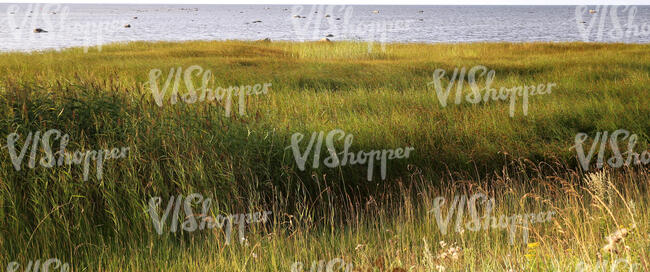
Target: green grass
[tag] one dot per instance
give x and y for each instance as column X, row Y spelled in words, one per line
column 381, row 97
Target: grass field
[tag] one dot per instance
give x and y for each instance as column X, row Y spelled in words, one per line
column 103, row 100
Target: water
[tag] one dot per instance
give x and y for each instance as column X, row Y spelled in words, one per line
column 87, row 25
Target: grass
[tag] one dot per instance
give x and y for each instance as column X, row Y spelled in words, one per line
column 102, row 100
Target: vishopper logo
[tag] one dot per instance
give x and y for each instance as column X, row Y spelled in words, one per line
column 204, row 92
column 336, row 264
column 488, row 220
column 591, row 23
column 362, row 157
column 61, row 157
column 46, row 23
column 200, row 221
column 324, row 21
column 36, row 266
column 601, row 140
column 478, row 94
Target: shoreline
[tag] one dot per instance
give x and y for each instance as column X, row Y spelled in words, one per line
column 93, row 48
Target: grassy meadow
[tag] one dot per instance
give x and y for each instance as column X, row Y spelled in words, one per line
column 103, row 100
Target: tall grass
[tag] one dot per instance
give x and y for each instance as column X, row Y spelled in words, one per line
column 381, row 97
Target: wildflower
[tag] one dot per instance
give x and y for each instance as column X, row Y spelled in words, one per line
column 614, row 239
column 533, row 245
column 447, row 252
column 452, row 252
column 531, row 253
column 530, row 257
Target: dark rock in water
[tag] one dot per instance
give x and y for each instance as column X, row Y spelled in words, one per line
column 136, row 17
column 421, row 11
column 127, row 26
column 338, row 19
column 327, row 16
column 421, row 19
column 40, row 30
column 258, row 21
column 329, row 35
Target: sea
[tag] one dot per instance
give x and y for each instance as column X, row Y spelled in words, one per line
column 34, row 27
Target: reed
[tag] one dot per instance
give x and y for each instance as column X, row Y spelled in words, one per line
column 103, row 100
